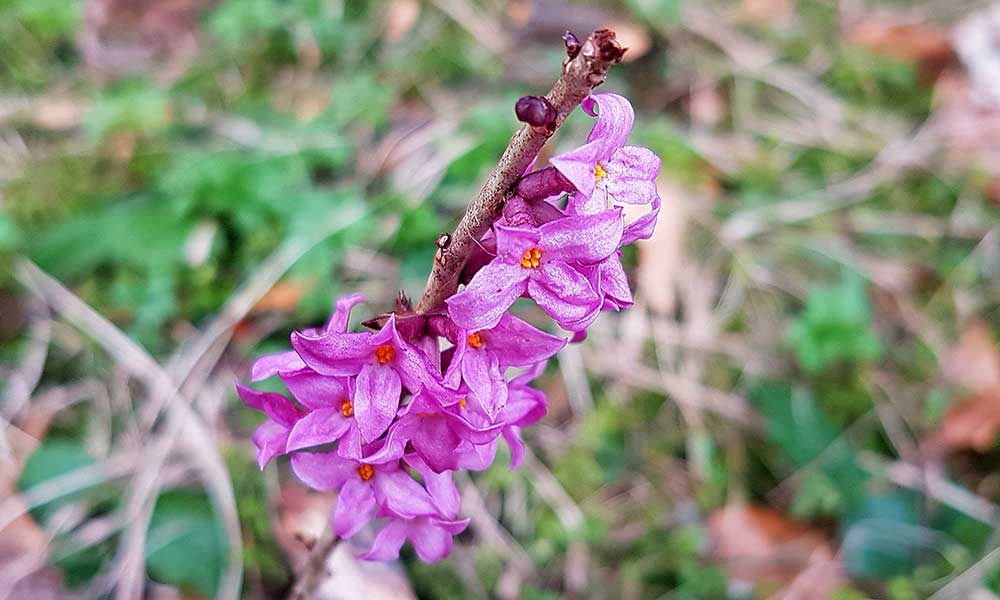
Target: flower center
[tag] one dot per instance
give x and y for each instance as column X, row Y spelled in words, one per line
column 531, row 258
column 347, row 408
column 599, row 172
column 475, row 340
column 462, row 403
column 384, row 354
column 366, row 472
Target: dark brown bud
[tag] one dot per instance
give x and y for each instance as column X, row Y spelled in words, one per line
column 403, row 303
column 535, row 111
column 572, row 44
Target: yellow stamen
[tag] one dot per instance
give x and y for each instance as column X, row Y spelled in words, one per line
column 347, row 409
column 384, row 354
column 475, row 340
column 599, row 173
column 531, row 259
column 366, row 472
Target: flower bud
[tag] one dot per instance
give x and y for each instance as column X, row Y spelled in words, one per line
column 535, row 111
column 572, row 44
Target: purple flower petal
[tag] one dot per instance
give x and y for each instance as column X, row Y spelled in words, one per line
column 334, row 353
column 273, row 405
column 271, row 440
column 513, row 241
column 631, row 175
column 481, row 371
column 488, row 296
column 578, row 166
column 322, row 426
column 440, row 486
column 583, row 239
column 430, row 541
column 388, row 542
column 642, row 228
column 565, row 295
column 317, row 391
column 615, row 118
column 350, row 445
column 323, row 471
column 376, row 399
column 355, row 505
column 436, row 442
column 398, row 492
column 272, row 364
column 342, row 313
column 517, row 344
column 512, row 435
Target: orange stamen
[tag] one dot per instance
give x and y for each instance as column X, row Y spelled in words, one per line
column 366, row 472
column 384, row 354
column 347, row 408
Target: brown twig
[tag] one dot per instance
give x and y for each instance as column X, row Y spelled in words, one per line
column 581, row 73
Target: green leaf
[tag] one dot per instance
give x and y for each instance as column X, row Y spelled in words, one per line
column 186, row 544
column 50, row 460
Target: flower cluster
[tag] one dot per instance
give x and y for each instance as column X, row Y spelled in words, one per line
column 385, row 417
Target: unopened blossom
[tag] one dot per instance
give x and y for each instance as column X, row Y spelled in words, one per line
column 540, row 261
column 605, row 171
column 382, row 362
column 361, row 487
column 481, row 358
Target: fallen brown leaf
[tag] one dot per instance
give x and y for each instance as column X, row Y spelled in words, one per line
column 283, row 297
column 760, row 545
column 973, row 363
column 817, row 582
column 660, row 256
column 907, row 38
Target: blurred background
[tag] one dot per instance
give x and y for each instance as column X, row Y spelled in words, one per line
column 804, row 402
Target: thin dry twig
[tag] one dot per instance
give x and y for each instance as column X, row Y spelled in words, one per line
column 580, row 75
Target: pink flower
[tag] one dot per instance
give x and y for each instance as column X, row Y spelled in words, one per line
column 361, row 487
column 383, row 363
column 482, row 357
column 540, row 261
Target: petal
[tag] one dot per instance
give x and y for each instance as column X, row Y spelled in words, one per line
column 615, row 118
column 634, row 163
column 488, row 296
column 585, row 239
column 272, row 364
column 276, row 406
column 317, row 391
column 525, row 406
column 642, row 228
column 350, row 445
column 565, row 295
column 516, row 343
column 612, row 284
column 578, row 164
column 389, row 541
column 476, row 457
column 394, row 445
column 342, row 313
column 319, row 427
column 440, row 486
column 513, row 436
column 436, row 443
column 376, row 399
column 481, row 371
column 271, row 440
column 513, row 241
column 323, row 471
column 401, row 494
column 355, row 504
column 334, row 353
column 431, row 542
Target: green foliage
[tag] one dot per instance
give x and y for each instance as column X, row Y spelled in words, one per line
column 50, row 460
column 186, row 544
column 835, row 326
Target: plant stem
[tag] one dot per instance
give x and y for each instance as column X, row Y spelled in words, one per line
column 581, row 73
